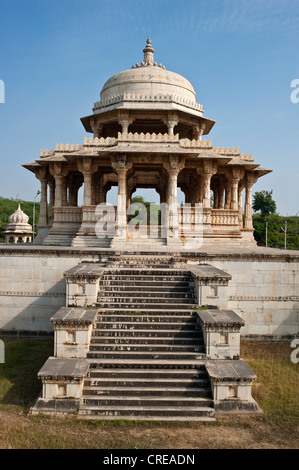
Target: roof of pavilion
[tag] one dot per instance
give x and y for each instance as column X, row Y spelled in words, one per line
column 146, row 144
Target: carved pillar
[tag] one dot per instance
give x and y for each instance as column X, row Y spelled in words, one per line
column 41, row 175
column 59, row 172
column 87, row 168
column 171, row 122
column 51, row 201
column 236, row 174
column 121, row 166
column 221, row 194
column 43, row 203
column 58, row 190
column 227, row 193
column 249, row 181
column 73, row 195
column 240, row 208
column 174, row 166
column 124, row 120
column 209, row 169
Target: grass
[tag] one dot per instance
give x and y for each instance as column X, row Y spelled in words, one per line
column 276, row 390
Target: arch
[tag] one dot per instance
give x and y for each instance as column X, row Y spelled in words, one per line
column 20, row 240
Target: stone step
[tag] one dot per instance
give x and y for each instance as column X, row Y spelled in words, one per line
column 146, row 418
column 135, row 324
column 142, row 333
column 188, row 318
column 126, row 341
column 140, row 355
column 179, row 348
column 146, row 284
column 101, row 390
column 148, row 383
column 141, row 401
column 147, row 363
column 145, row 277
column 102, row 299
column 150, row 376
column 152, row 412
column 145, row 311
column 107, row 293
column 149, row 305
column 148, row 290
column 145, row 271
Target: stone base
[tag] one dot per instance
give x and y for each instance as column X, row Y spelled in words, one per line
column 235, row 406
column 59, row 406
column 41, row 235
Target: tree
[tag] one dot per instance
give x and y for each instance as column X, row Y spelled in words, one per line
column 263, row 202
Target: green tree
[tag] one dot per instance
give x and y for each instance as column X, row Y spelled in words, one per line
column 263, row 202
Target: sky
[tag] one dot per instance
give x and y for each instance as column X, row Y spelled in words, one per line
column 240, row 56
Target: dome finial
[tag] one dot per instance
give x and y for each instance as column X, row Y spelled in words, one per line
column 148, row 53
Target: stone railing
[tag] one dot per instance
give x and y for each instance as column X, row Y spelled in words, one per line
column 99, row 141
column 201, row 144
column 136, row 97
column 68, row 215
column 153, row 138
column 224, row 217
column 233, row 152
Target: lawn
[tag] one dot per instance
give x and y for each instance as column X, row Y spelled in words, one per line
column 276, row 390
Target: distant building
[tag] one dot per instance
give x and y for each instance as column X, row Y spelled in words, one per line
column 18, row 230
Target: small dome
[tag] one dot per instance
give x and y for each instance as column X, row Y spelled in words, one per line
column 18, row 217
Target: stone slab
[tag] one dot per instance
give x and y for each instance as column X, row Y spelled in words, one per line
column 85, row 269
column 235, row 370
column 214, row 317
column 57, row 367
column 74, row 315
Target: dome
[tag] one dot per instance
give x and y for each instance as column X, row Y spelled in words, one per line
column 18, row 217
column 150, row 85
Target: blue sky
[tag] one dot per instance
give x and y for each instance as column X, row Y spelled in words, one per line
column 240, row 56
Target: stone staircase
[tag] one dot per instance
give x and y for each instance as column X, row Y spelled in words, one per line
column 147, row 356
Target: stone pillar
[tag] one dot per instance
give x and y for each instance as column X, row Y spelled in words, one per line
column 209, row 169
column 73, row 195
column 236, row 174
column 250, row 179
column 227, row 194
column 51, row 202
column 248, row 205
column 87, row 188
column 171, row 121
column 124, row 120
column 240, row 208
column 174, row 166
column 87, row 168
column 121, row 166
column 58, row 190
column 64, row 198
column 59, row 172
column 221, row 195
column 43, row 222
column 234, row 194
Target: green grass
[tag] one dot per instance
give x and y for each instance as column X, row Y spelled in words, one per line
column 276, row 390
column 19, row 385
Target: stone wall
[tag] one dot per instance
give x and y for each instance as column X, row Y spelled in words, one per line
column 264, row 289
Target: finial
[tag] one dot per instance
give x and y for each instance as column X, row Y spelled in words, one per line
column 148, row 52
